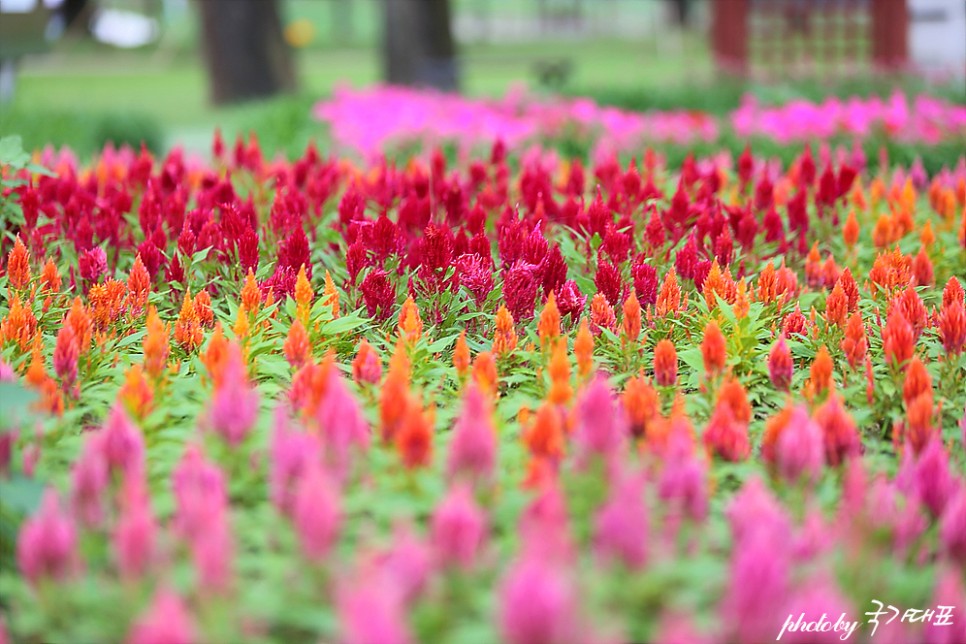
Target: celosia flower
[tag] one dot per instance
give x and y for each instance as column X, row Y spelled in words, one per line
column 538, row 603
column 820, row 374
column 18, row 265
column 167, row 621
column 92, row 264
column 234, row 403
column 410, row 324
column 602, row 315
column 366, row 366
column 952, row 527
column 665, row 363
column 725, row 436
column 584, row 349
column 122, row 443
column 371, row 612
column 713, row 349
column 458, row 529
column 841, row 436
column 520, row 290
column 505, row 334
column 187, row 330
column 780, row 365
column 461, row 355
column 414, row 440
column 570, row 301
column 621, row 525
column 136, row 532
column 631, row 319
column 854, row 344
column 297, row 349
column 952, row 327
column 601, row 426
column 316, row 512
column 66, row 352
column 472, row 449
column 800, row 450
column 898, row 339
column 669, row 297
column 47, row 543
column 549, row 326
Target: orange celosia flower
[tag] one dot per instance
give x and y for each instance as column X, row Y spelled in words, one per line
column 331, row 296
column 484, row 372
column 296, row 347
column 505, row 334
column 50, row 282
column 303, row 296
column 927, row 237
column 820, row 374
column 187, row 330
column 642, row 404
column 718, row 284
column 891, row 270
column 79, row 318
column 138, row 286
column 884, row 231
column 733, row 394
column 559, row 369
column 136, row 393
column 410, row 324
column 366, row 366
column 251, row 295
column 836, row 306
column 854, row 344
column 850, row 231
column 393, row 401
column 545, row 438
column 51, row 400
column 549, row 326
column 461, row 355
column 741, row 304
column 215, row 355
column 206, row 317
column 813, row 266
column 669, row 296
column 602, row 314
column 414, row 441
column 713, row 349
column 665, row 363
column 631, row 321
column 20, row 325
column 919, row 427
column 584, row 349
column 107, row 302
column 156, row 344
column 18, row 265
column 241, row 326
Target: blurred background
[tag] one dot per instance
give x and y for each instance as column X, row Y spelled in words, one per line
column 82, row 72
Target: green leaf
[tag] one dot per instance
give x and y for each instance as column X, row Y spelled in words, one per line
column 12, row 153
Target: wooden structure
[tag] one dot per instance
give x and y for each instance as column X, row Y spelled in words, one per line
column 823, row 38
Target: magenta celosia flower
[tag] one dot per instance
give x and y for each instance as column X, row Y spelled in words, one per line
column 458, row 529
column 757, row 581
column 136, row 531
column 66, row 352
column 212, row 552
column 755, row 508
column 47, row 543
column 544, row 526
column 816, row 598
column 952, row 527
column 570, row 301
column 371, row 612
column 199, row 492
column 683, row 486
column 621, row 525
column 234, row 403
column 89, row 479
column 538, row 603
column 520, row 290
column 476, row 274
column 601, row 424
column 291, row 451
column 472, row 450
column 92, row 263
column 122, row 442
column 378, row 293
column 780, row 365
column 7, row 373
column 166, row 621
column 408, row 562
column 949, row 591
column 934, row 484
column 608, row 282
column 645, row 281
column 800, row 450
column 316, row 512
column 342, row 424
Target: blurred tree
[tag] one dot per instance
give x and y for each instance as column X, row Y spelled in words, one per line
column 244, row 50
column 418, row 45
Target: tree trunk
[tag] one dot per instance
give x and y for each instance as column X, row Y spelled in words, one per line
column 244, row 49
column 418, row 45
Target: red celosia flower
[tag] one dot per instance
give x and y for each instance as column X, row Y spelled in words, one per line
column 665, row 363
column 725, row 436
column 92, row 263
column 520, row 290
column 854, row 344
column 795, row 323
column 898, row 338
column 713, row 349
column 414, row 440
column 378, row 293
column 922, row 269
column 952, row 292
column 608, row 282
column 570, row 301
column 780, row 365
column 645, row 281
column 66, row 352
column 952, row 327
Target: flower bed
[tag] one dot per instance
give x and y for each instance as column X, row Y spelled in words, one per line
column 314, row 400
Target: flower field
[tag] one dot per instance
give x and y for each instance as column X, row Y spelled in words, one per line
column 506, row 396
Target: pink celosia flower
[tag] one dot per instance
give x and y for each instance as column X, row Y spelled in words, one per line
column 408, row 562
column 167, row 621
column 538, row 603
column 458, row 528
column 934, row 484
column 122, row 442
column 47, row 544
column 472, row 450
column 949, row 591
column 199, row 492
column 136, row 531
column 89, row 479
column 291, row 452
column 621, row 525
column 952, row 527
column 601, row 425
column 342, row 425
column 683, row 486
column 371, row 612
column 234, row 403
column 316, row 512
column 800, row 451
